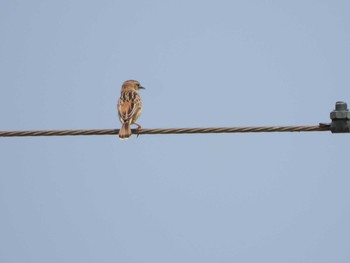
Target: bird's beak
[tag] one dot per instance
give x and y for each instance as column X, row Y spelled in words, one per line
column 140, row 87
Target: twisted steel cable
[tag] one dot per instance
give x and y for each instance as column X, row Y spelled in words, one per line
column 320, row 127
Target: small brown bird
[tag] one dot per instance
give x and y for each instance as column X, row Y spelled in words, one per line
column 129, row 107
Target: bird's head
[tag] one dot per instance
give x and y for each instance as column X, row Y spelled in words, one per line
column 133, row 85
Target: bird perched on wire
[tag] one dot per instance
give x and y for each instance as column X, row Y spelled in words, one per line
column 129, row 107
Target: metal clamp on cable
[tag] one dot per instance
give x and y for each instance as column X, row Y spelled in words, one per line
column 340, row 118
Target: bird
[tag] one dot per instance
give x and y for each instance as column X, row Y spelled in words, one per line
column 129, row 107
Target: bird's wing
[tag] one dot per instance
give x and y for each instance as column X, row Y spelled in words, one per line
column 128, row 105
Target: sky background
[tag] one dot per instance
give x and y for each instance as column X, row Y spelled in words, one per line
column 281, row 197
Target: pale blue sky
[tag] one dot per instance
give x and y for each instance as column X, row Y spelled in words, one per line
column 174, row 198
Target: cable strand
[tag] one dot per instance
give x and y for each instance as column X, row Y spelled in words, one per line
column 167, row 131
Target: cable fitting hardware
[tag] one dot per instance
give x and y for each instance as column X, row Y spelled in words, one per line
column 340, row 118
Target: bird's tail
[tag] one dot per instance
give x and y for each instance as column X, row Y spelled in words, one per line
column 125, row 131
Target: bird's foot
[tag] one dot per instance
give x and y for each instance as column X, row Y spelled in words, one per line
column 138, row 129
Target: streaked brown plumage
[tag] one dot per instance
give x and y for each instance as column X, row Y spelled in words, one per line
column 129, row 107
